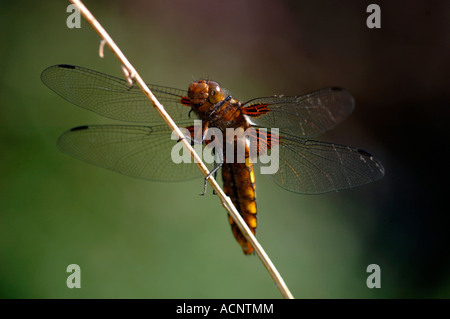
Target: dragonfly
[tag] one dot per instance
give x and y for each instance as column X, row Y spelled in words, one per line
column 144, row 149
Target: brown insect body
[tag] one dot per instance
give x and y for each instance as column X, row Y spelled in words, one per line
column 217, row 110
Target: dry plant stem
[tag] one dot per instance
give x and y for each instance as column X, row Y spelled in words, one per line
column 132, row 75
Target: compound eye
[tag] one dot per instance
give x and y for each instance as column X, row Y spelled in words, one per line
column 215, row 93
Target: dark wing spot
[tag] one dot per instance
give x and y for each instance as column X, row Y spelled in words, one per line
column 364, row 153
column 79, row 128
column 66, row 66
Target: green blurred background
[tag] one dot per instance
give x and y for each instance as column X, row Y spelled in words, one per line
column 138, row 239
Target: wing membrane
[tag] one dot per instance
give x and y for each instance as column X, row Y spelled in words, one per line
column 311, row 167
column 111, row 96
column 305, row 116
column 138, row 151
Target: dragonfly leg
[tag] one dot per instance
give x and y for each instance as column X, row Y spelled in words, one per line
column 217, row 166
column 215, row 177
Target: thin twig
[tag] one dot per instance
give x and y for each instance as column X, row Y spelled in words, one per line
column 133, row 75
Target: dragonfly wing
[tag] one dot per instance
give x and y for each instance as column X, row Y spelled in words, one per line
column 138, row 151
column 305, row 116
column 112, row 97
column 311, row 167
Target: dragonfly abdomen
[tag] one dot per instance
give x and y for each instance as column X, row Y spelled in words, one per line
column 239, row 185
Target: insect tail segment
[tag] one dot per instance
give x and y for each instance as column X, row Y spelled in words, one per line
column 239, row 185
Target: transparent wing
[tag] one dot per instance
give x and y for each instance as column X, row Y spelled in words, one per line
column 138, row 151
column 111, row 96
column 311, row 167
column 305, row 116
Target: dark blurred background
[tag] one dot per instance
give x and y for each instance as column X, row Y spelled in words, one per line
column 138, row 239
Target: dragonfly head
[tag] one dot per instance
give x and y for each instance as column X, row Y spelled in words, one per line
column 205, row 94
